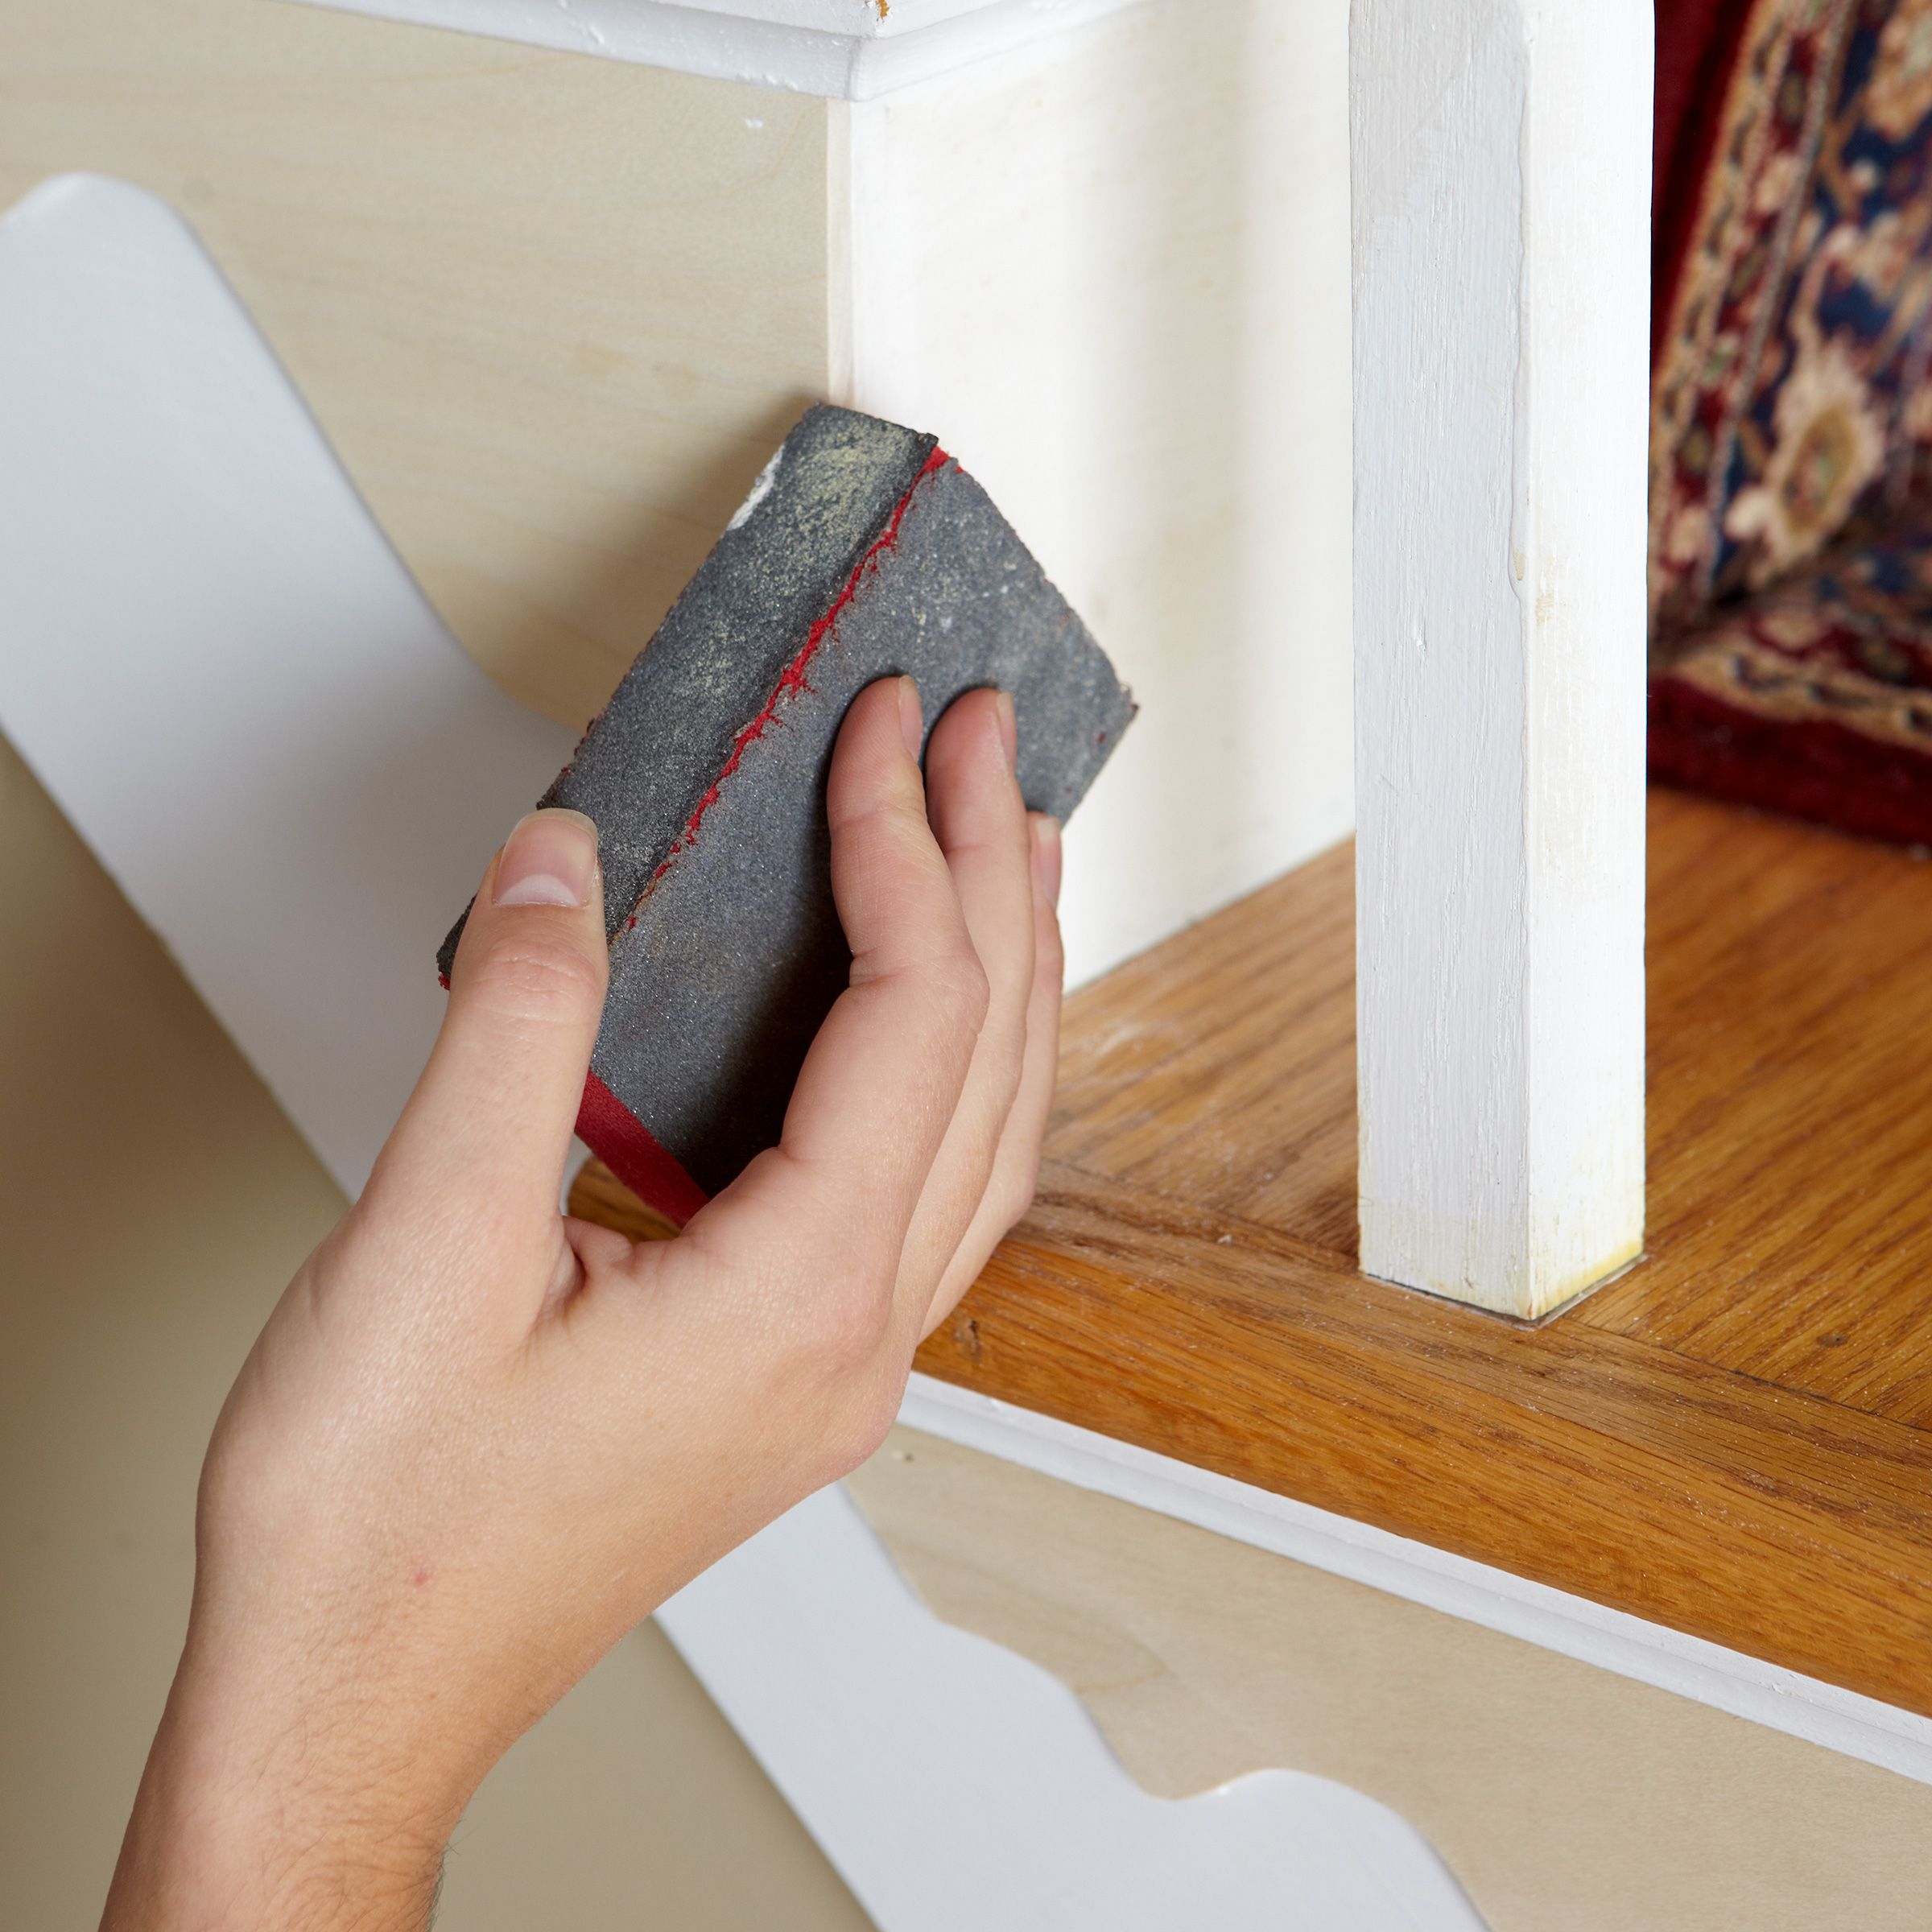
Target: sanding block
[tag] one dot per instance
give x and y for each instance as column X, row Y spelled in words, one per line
column 863, row 551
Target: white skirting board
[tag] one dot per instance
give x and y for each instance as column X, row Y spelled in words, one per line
column 193, row 603
column 846, row 50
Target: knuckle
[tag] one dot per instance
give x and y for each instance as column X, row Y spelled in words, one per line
column 878, row 806
column 960, row 990
column 848, row 1328
column 857, row 1425
column 532, row 977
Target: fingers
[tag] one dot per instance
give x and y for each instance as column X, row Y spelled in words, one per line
column 880, row 1086
column 980, row 821
column 1009, row 1191
column 488, row 1129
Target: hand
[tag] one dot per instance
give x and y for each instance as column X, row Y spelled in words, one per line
column 478, row 1442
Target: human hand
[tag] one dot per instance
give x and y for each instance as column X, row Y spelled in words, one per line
column 477, row 1441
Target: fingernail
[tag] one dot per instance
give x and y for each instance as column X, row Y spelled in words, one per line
column 1047, row 854
column 1009, row 726
column 550, row 860
column 911, row 720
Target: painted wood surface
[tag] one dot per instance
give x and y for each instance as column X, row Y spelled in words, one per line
column 958, row 1786
column 1111, row 270
column 1563, row 1796
column 219, row 669
column 850, row 50
column 554, row 319
column 1502, row 170
column 552, row 314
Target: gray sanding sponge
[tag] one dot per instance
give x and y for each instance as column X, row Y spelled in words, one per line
column 864, row 551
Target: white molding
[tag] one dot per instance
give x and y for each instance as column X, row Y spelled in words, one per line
column 958, row 1786
column 1501, row 172
column 214, row 661
column 1573, row 1626
column 837, row 48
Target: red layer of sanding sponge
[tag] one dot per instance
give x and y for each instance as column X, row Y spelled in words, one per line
column 864, row 551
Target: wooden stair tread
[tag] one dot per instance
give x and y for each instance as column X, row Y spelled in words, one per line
column 1734, row 1439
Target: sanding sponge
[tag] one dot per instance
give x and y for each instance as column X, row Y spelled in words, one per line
column 863, row 551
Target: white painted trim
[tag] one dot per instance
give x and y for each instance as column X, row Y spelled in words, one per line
column 787, row 44
column 213, row 661
column 1500, row 171
column 958, row 1786
column 1573, row 1626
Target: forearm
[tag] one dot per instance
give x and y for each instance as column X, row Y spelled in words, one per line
column 235, row 1827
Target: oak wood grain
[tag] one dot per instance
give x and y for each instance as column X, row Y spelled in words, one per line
column 1790, row 1111
column 1733, row 1439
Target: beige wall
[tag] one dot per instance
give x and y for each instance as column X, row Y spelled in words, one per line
column 1565, row 1799
column 152, row 1203
column 552, row 312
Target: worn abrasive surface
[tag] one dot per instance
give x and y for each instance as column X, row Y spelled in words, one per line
column 655, row 749
column 867, row 554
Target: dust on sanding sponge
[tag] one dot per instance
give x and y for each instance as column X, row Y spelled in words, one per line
column 864, row 551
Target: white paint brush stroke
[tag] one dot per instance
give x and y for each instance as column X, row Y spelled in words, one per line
column 838, row 48
column 214, row 661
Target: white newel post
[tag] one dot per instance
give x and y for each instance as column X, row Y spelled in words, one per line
column 1500, row 161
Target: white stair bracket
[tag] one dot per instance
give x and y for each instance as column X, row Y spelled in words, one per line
column 1500, row 170
column 956, row 1785
column 845, row 50
column 215, row 664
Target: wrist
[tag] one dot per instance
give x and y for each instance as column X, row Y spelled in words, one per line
column 258, row 1808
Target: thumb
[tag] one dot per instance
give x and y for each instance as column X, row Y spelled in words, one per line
column 491, row 1121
